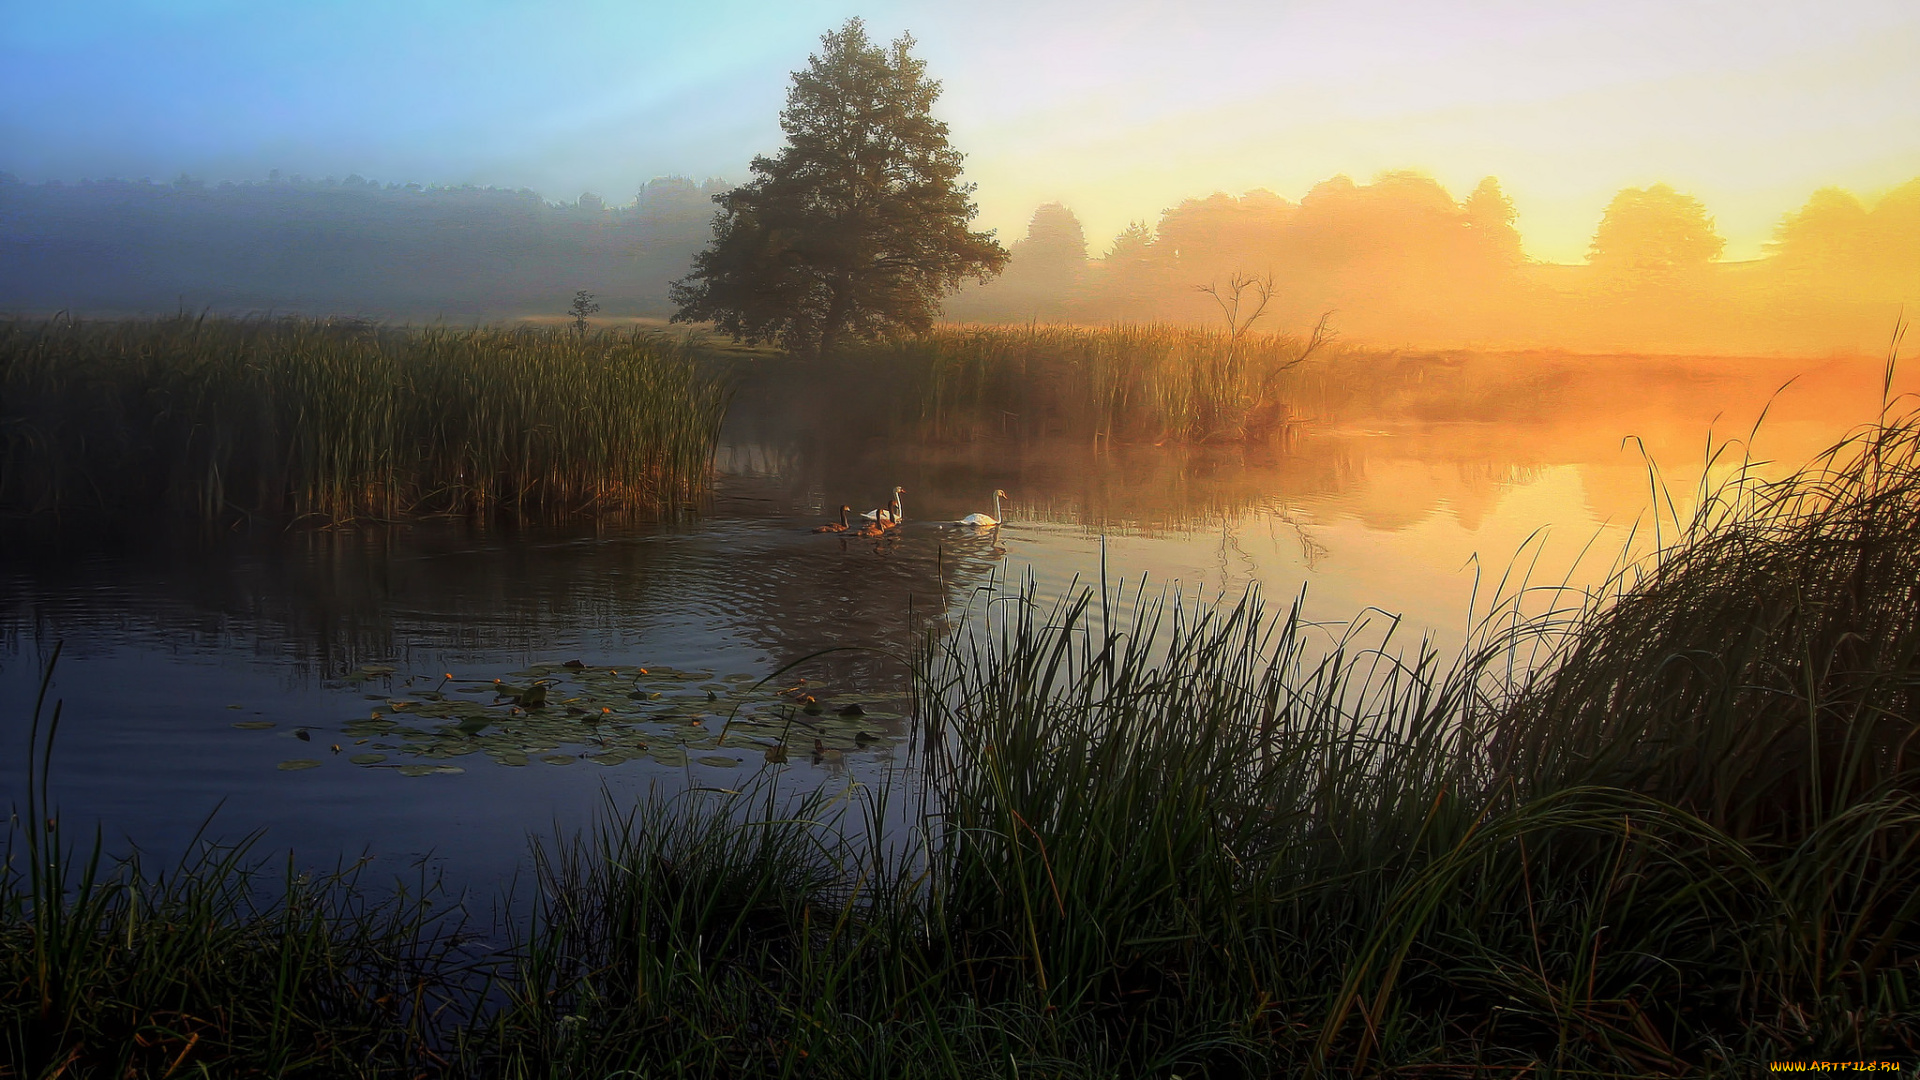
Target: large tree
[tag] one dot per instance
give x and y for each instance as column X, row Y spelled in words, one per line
column 858, row 226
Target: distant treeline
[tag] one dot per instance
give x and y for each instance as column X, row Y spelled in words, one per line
column 1399, row 261
column 340, row 247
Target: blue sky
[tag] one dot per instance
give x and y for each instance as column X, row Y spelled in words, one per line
column 1118, row 109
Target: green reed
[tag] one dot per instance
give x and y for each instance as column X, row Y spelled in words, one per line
column 216, row 966
column 1669, row 827
column 1156, row 381
column 215, row 421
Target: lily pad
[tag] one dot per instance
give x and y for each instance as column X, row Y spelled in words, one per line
column 367, row 759
column 611, row 715
column 297, row 764
column 253, row 725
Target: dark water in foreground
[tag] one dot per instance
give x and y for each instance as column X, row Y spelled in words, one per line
column 164, row 654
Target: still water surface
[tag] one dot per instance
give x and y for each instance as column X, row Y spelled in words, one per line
column 1403, row 512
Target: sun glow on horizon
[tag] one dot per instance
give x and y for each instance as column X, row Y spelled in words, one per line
column 1118, row 111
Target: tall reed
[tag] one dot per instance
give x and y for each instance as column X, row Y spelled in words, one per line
column 1127, row 381
column 213, row 421
column 1158, row 836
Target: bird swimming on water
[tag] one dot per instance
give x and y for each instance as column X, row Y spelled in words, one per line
column 889, row 514
column 884, row 522
column 840, row 526
column 982, row 520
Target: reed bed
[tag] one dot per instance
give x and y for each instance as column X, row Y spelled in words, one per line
column 1129, row 381
column 123, row 425
column 1671, row 828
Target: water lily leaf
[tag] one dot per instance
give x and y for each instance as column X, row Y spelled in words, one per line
column 253, row 725
column 448, row 770
column 720, row 761
column 367, row 759
column 667, row 755
column 559, row 759
column 511, row 758
column 417, row 770
column 609, row 758
column 297, row 764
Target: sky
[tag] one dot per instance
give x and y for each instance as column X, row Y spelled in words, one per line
column 1119, row 109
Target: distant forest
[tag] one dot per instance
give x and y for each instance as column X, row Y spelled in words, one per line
column 1399, row 261
column 341, row 247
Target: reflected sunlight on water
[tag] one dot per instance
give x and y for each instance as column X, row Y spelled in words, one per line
column 1403, row 512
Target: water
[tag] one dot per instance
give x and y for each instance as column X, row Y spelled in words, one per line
column 1394, row 511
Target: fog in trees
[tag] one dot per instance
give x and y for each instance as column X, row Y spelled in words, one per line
column 341, row 247
column 1400, row 260
column 1045, row 271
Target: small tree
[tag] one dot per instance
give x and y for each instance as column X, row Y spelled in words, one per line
column 858, row 226
column 582, row 307
column 1251, row 399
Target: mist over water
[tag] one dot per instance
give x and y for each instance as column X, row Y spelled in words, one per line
column 1410, row 502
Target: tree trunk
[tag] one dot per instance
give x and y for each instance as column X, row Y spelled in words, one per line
column 830, row 326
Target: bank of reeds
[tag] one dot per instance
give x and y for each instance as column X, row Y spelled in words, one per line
column 1152, row 382
column 129, row 425
column 1214, row 840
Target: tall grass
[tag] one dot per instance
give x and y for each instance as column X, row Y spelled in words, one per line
column 1126, row 381
column 215, row 965
column 213, row 421
column 1159, row 837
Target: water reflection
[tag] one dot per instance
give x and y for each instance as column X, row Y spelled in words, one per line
column 1403, row 507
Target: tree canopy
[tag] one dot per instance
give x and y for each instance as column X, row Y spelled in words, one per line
column 1654, row 230
column 858, row 225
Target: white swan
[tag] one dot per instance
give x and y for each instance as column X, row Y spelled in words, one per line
column 982, row 520
column 889, row 514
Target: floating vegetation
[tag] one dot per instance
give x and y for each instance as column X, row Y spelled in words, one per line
column 253, row 725
column 565, row 712
column 298, row 764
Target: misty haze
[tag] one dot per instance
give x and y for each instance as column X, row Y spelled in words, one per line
column 1086, row 542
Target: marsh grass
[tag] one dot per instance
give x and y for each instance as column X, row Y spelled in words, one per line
column 215, row 965
column 1129, row 381
column 1156, row 836
column 125, row 425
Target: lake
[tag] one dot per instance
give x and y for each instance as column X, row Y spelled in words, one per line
column 218, row 679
